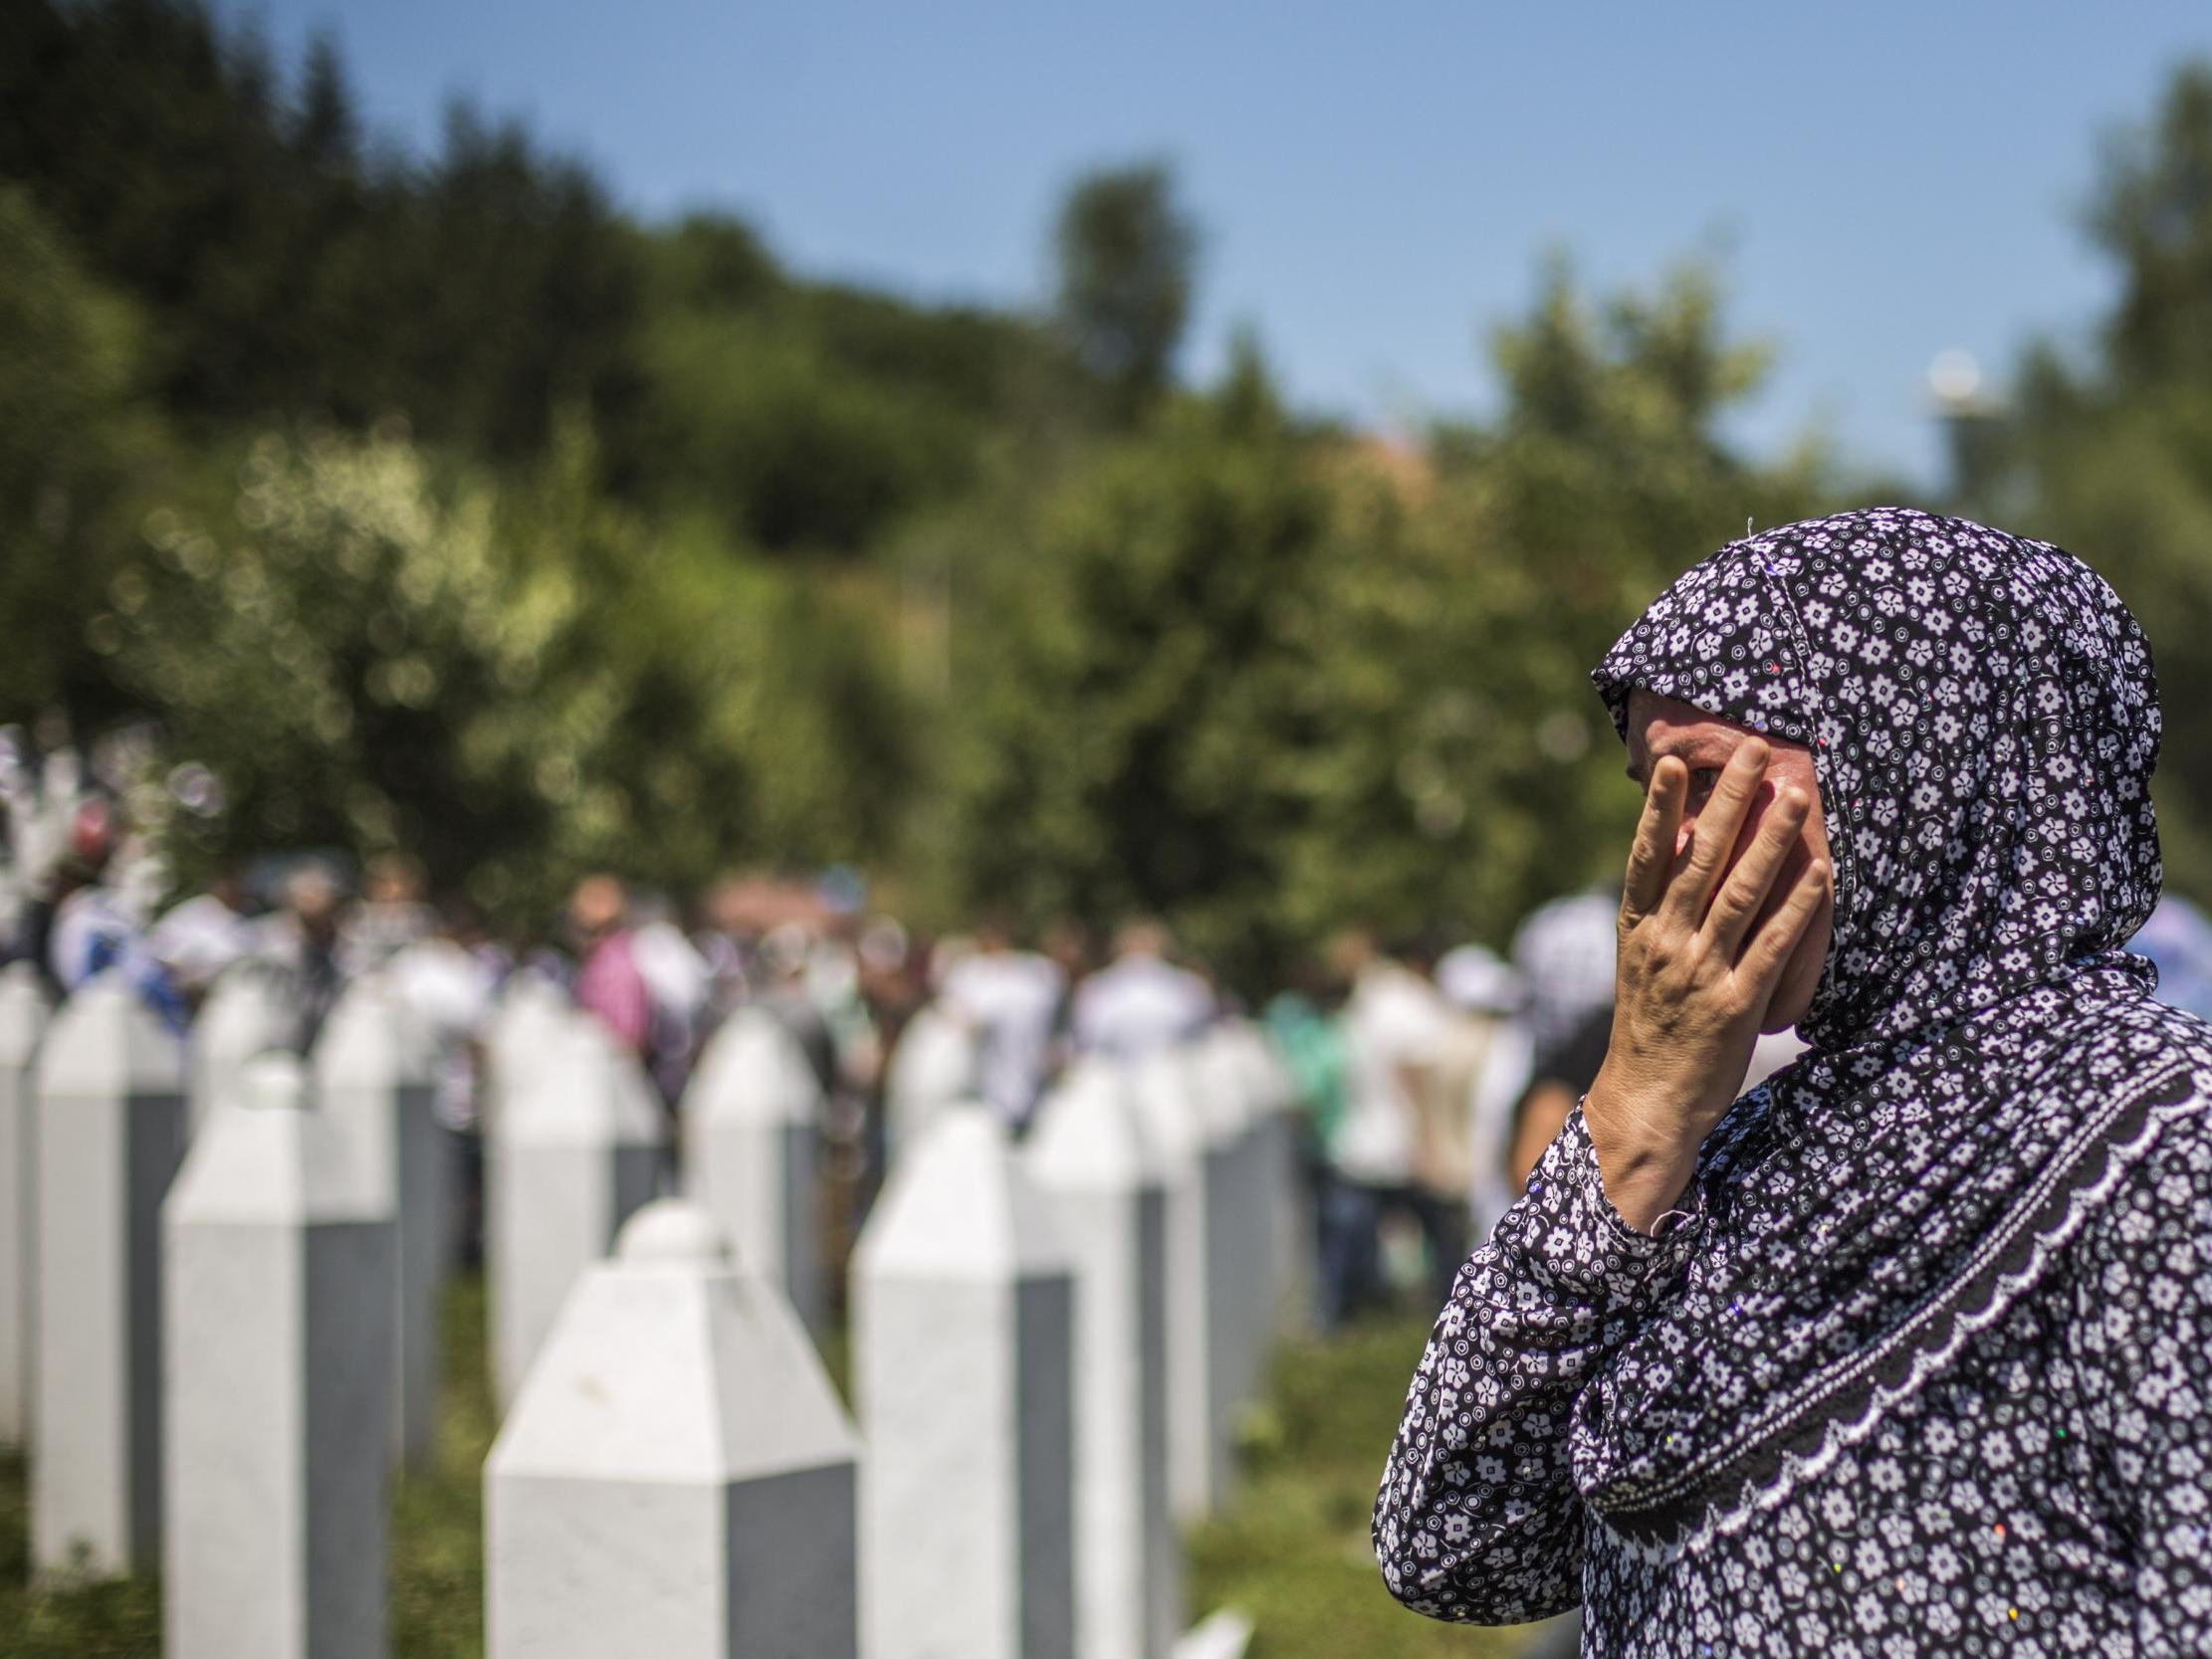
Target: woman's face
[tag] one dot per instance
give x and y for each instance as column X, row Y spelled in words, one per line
column 1663, row 725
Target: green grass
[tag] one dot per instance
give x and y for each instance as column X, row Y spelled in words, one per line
column 1292, row 1549
column 437, row 1535
column 118, row 1620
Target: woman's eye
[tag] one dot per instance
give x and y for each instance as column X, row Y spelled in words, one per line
column 1701, row 782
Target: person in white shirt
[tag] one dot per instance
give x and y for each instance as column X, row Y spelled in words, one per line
column 202, row 936
column 1395, row 1032
column 449, row 987
column 1140, row 1002
column 1490, row 1056
column 95, row 929
column 1008, row 998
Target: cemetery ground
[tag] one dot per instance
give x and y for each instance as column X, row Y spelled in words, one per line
column 1291, row 1550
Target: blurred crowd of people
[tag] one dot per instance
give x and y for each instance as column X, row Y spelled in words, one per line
column 83, row 894
column 1428, row 1078
column 1430, row 1075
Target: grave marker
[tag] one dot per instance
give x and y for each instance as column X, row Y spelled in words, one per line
column 373, row 1076
column 753, row 1139
column 962, row 1351
column 1087, row 1154
column 1169, row 1111
column 280, row 1335
column 23, row 1017
column 676, row 1477
column 579, row 1148
column 111, row 1134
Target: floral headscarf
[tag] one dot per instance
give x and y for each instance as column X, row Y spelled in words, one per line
column 1983, row 721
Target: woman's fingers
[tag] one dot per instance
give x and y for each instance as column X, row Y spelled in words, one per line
column 1653, row 848
column 1699, row 869
column 1777, row 936
column 1745, row 891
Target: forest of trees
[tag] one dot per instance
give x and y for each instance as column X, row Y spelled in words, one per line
column 430, row 501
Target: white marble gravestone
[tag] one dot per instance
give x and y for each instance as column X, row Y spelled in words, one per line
column 1170, row 1108
column 374, row 1077
column 751, row 1148
column 933, row 1066
column 1288, row 1201
column 1087, row 1155
column 533, row 1011
column 244, row 1015
column 279, row 1318
column 23, row 1017
column 579, row 1147
column 1223, row 1635
column 1242, row 1320
column 676, row 1477
column 963, row 1352
column 111, row 1134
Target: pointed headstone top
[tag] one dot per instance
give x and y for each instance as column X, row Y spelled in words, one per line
column 272, row 1159
column 528, row 988
column 242, row 994
column 1268, row 1082
column 105, row 1041
column 530, row 1005
column 584, row 1091
column 243, row 1017
column 673, row 1232
column 668, row 1365
column 23, row 1013
column 1224, row 1086
column 273, row 1083
column 1088, row 1138
column 371, row 1039
column 1167, row 1098
column 935, row 1059
column 524, row 1030
column 959, row 1207
column 754, row 1071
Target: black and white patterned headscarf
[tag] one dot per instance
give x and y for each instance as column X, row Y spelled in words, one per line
column 1983, row 721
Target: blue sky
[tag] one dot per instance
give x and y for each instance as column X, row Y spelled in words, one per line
column 1377, row 182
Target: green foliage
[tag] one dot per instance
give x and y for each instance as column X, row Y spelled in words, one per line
column 584, row 544
column 1120, row 681
column 688, row 559
column 516, row 682
column 759, row 423
column 118, row 1619
column 2112, row 456
column 2153, row 215
column 1126, row 252
column 436, row 1602
column 1456, row 763
column 71, row 443
column 811, row 418
column 1271, row 685
column 289, row 272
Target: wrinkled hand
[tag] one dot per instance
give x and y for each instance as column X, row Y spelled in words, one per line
column 1697, row 966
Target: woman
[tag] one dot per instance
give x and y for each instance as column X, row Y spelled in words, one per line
column 1909, row 1350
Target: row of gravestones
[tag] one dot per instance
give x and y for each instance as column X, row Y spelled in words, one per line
column 213, row 1356
column 1049, row 1349
column 1044, row 1382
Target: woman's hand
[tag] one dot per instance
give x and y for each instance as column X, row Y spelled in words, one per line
column 1701, row 950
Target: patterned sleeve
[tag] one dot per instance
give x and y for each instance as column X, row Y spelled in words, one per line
column 2142, row 1335
column 1477, row 1520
